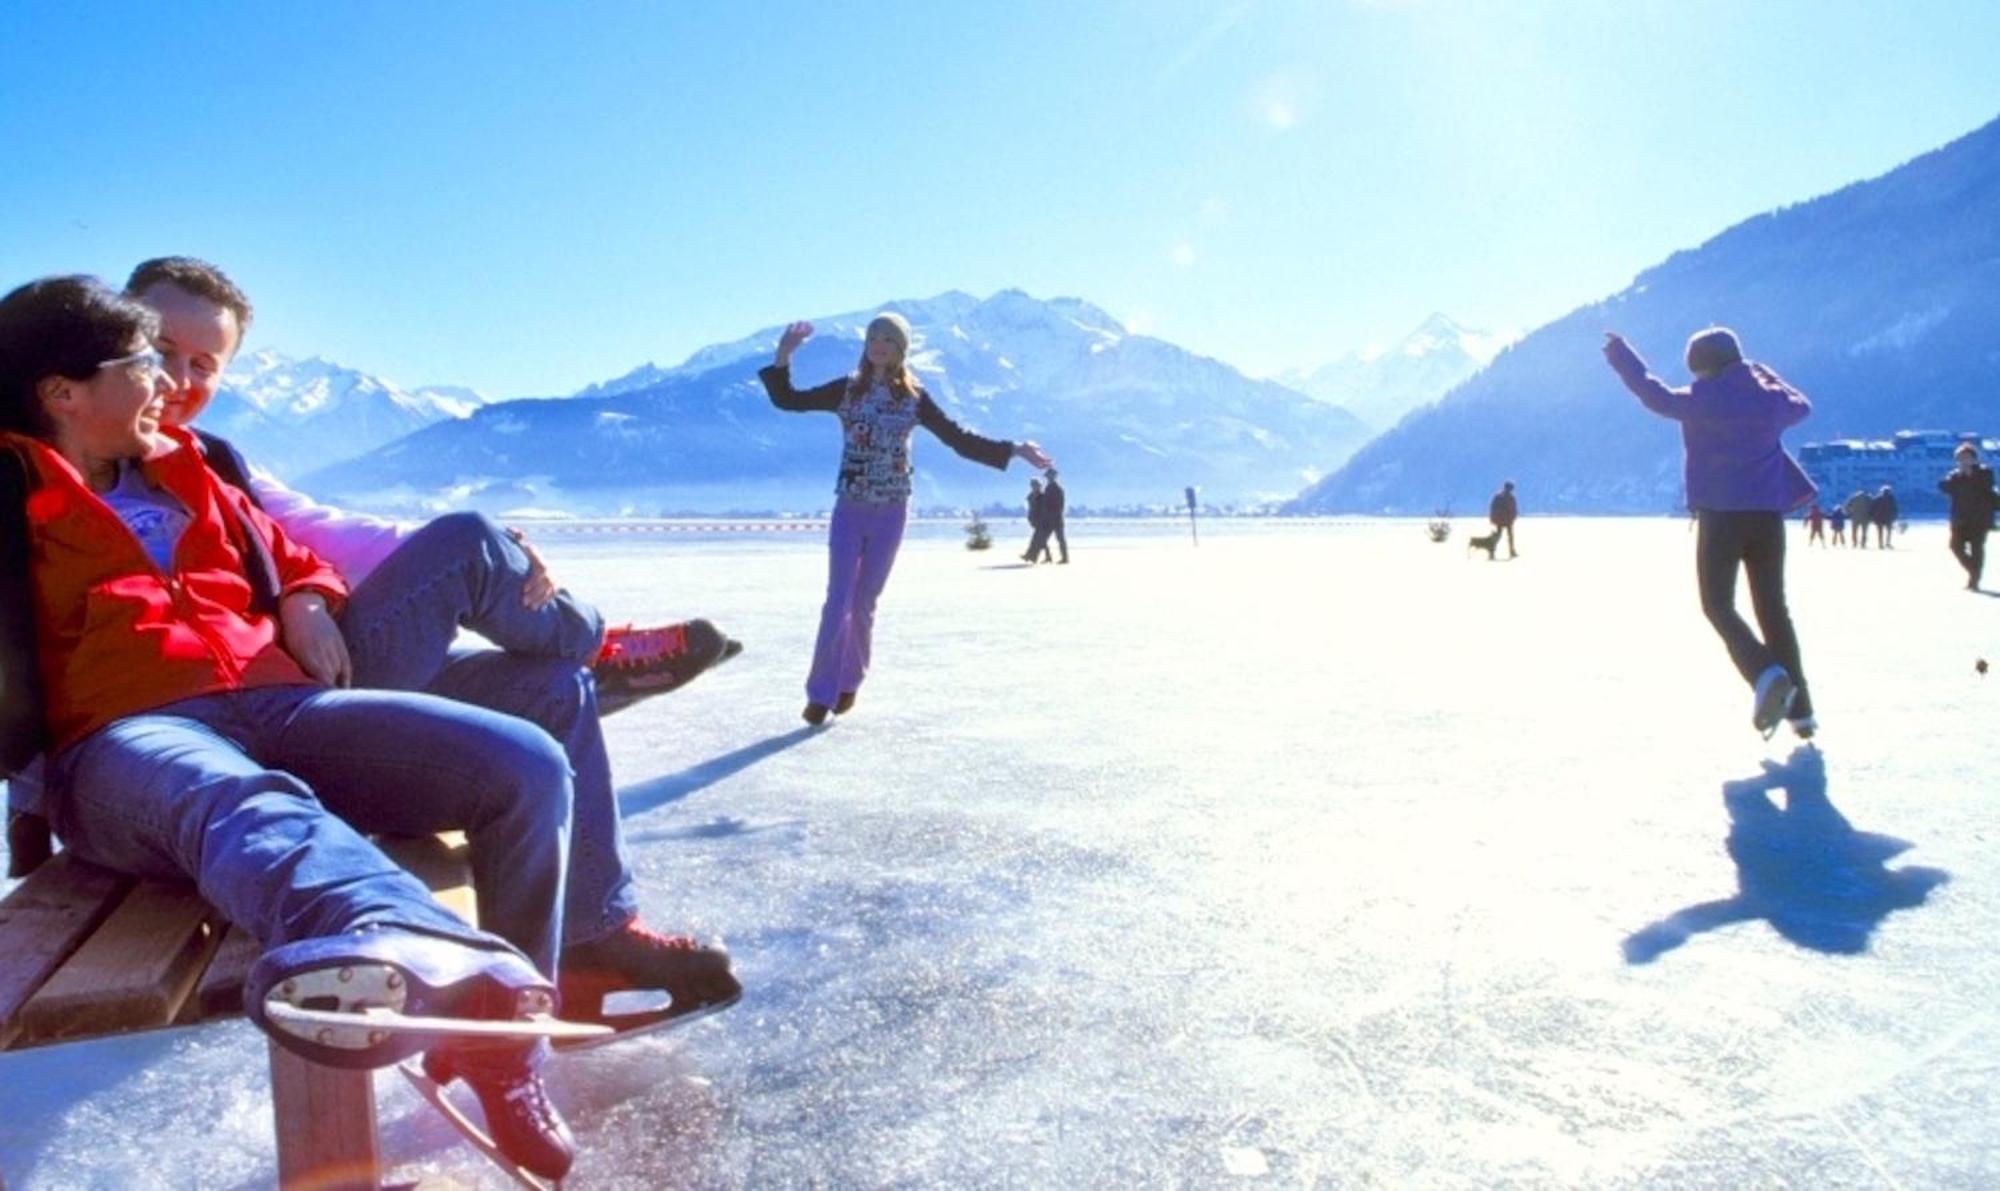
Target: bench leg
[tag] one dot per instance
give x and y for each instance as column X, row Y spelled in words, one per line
column 325, row 1124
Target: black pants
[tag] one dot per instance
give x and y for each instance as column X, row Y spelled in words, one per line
column 1968, row 546
column 1755, row 543
column 1062, row 540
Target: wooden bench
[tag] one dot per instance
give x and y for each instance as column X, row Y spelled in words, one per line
column 85, row 952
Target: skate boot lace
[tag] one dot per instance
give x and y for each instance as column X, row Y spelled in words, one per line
column 646, row 936
column 627, row 646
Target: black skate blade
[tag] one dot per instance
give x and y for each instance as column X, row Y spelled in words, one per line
column 639, row 1025
column 433, row 1092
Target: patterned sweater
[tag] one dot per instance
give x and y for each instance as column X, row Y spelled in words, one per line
column 875, row 430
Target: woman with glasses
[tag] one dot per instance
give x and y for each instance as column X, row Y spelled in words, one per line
column 147, row 609
column 879, row 405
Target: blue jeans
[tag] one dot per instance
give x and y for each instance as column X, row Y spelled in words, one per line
column 462, row 570
column 862, row 540
column 261, row 797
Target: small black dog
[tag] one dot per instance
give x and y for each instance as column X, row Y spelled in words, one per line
column 1489, row 543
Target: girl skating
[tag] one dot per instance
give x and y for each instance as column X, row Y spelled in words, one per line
column 1740, row 484
column 878, row 405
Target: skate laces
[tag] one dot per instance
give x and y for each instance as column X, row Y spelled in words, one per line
column 636, row 933
column 626, row 646
column 528, row 1098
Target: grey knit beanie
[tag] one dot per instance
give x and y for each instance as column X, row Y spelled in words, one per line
column 894, row 323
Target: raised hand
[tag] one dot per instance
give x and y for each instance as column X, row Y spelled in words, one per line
column 1032, row 452
column 795, row 334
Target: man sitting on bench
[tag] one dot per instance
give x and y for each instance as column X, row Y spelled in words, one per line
column 412, row 587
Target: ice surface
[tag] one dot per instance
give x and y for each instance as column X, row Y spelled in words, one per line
column 1317, row 855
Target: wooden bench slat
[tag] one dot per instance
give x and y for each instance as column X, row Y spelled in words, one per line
column 158, row 956
column 439, row 861
column 219, row 993
column 134, row 973
column 42, row 922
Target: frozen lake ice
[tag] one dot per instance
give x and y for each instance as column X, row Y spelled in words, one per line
column 1319, row 855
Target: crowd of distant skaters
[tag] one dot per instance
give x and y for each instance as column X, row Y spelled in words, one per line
column 1861, row 511
column 1968, row 487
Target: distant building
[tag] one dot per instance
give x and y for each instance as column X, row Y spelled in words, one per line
column 1912, row 463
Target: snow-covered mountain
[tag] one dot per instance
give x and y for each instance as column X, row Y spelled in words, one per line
column 296, row 415
column 1129, row 418
column 1379, row 387
column 1880, row 300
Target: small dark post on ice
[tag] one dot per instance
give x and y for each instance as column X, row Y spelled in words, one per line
column 1191, row 527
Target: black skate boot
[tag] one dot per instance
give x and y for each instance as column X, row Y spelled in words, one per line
column 521, row 1124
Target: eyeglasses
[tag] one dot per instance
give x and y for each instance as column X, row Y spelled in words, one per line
column 148, row 363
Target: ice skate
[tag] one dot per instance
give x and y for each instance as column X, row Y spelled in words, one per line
column 372, row 998
column 1773, row 701
column 636, row 959
column 636, row 663
column 524, row 1135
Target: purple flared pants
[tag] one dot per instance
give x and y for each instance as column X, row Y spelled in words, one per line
column 861, row 548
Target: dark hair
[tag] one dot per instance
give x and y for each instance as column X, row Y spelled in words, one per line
column 197, row 277
column 61, row 326
column 1712, row 349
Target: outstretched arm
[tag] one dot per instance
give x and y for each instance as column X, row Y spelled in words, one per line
column 1652, row 392
column 777, row 377
column 993, row 452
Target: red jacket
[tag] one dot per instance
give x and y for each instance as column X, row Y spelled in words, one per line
column 114, row 635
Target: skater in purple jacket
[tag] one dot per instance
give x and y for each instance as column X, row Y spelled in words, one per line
column 1740, row 483
column 879, row 405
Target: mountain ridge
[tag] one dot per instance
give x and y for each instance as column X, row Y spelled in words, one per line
column 1881, row 300
column 1129, row 418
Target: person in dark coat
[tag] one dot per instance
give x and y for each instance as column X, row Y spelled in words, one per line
column 1970, row 487
column 1503, row 511
column 1038, row 524
column 1053, row 501
column 1885, row 510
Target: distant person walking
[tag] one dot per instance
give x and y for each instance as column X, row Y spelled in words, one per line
column 879, row 405
column 1860, row 511
column 1884, row 512
column 1970, row 487
column 1815, row 525
column 1054, row 500
column 1503, row 511
column 1038, row 524
column 1839, row 519
column 1741, row 482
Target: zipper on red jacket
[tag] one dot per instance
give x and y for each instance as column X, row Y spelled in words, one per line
column 177, row 590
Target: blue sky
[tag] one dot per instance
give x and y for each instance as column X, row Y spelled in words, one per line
column 528, row 198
